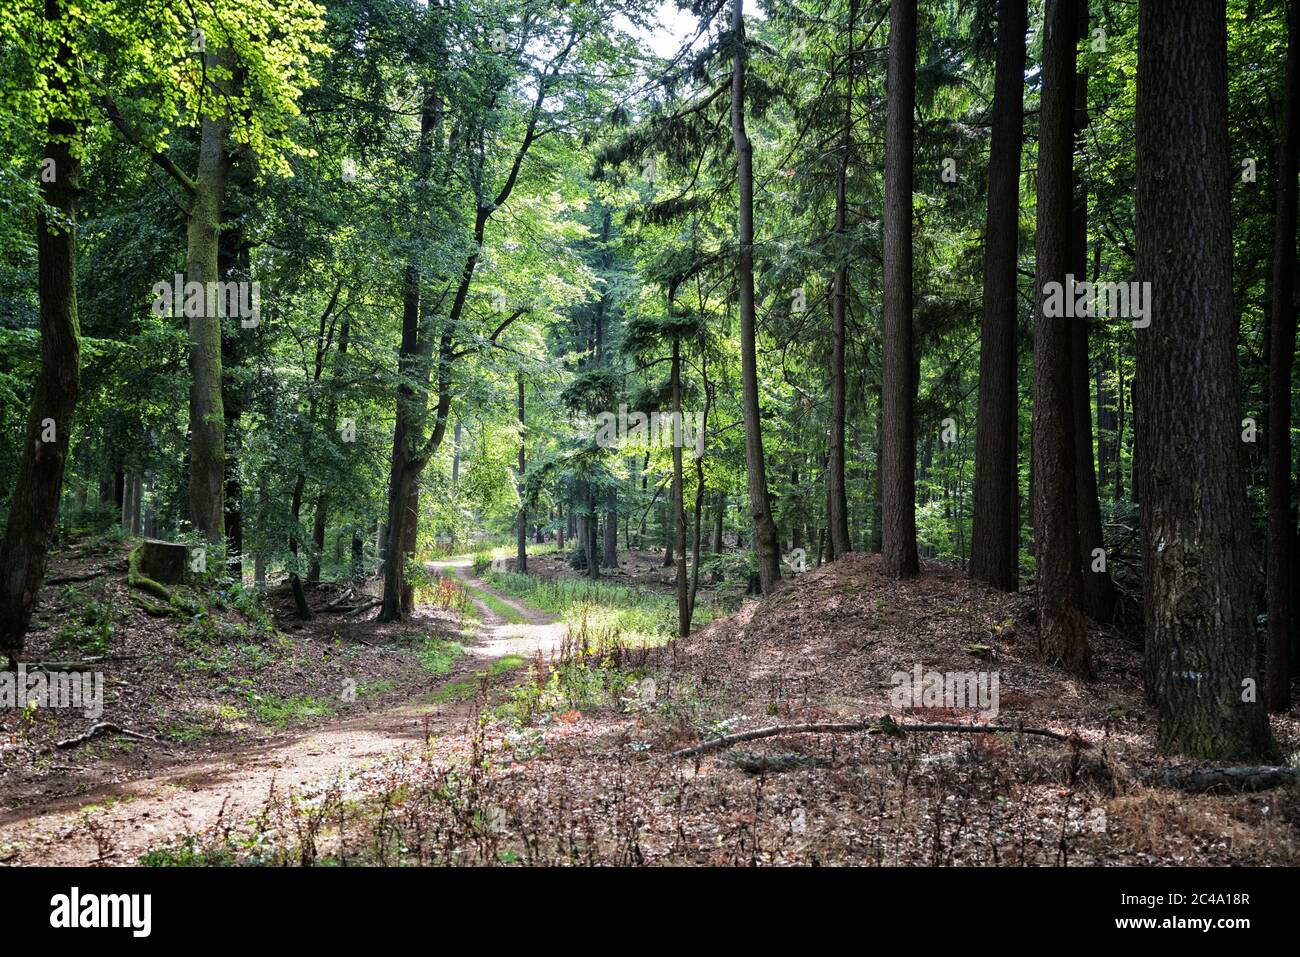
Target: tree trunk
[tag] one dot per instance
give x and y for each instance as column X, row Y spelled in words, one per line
column 609, row 553
column 719, row 522
column 1200, row 644
column 1098, row 589
column 521, row 544
column 318, row 536
column 455, row 458
column 679, row 507
column 593, row 565
column 295, row 582
column 34, row 505
column 404, row 469
column 233, row 263
column 207, row 411
column 1062, row 629
column 698, row 524
column 836, row 495
column 1282, row 326
column 898, row 444
column 358, row 552
column 995, row 535
column 766, row 549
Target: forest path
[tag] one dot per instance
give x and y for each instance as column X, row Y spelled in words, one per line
column 115, row 824
column 536, row 631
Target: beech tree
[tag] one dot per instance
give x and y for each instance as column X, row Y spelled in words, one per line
column 34, row 504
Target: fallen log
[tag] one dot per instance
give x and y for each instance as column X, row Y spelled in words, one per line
column 886, row 725
column 347, row 595
column 364, row 606
column 83, row 664
column 1231, row 779
column 752, row 763
column 104, row 727
column 1198, row 780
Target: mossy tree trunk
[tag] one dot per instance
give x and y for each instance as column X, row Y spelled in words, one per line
column 34, row 505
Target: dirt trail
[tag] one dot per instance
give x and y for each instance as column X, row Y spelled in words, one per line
column 116, row 823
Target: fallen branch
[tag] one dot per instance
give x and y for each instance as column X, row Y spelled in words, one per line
column 987, row 729
column 83, row 664
column 104, row 727
column 1200, row 780
column 885, row 725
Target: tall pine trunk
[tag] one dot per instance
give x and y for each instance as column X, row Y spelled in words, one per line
column 837, row 502
column 766, row 548
column 1062, row 629
column 678, row 504
column 1200, row 644
column 898, row 390
column 1098, row 589
column 995, row 533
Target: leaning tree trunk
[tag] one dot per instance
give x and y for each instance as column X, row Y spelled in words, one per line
column 1201, row 665
column 1282, row 324
column 766, row 549
column 34, row 505
column 898, row 393
column 995, row 533
column 1062, row 629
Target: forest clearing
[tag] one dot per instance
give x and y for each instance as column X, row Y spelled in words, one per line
column 649, row 433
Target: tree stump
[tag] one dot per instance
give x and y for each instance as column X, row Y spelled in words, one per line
column 164, row 562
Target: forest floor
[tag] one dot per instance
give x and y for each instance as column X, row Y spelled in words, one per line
column 560, row 751
column 228, row 738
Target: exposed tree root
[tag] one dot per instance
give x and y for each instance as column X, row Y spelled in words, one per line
column 104, row 727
